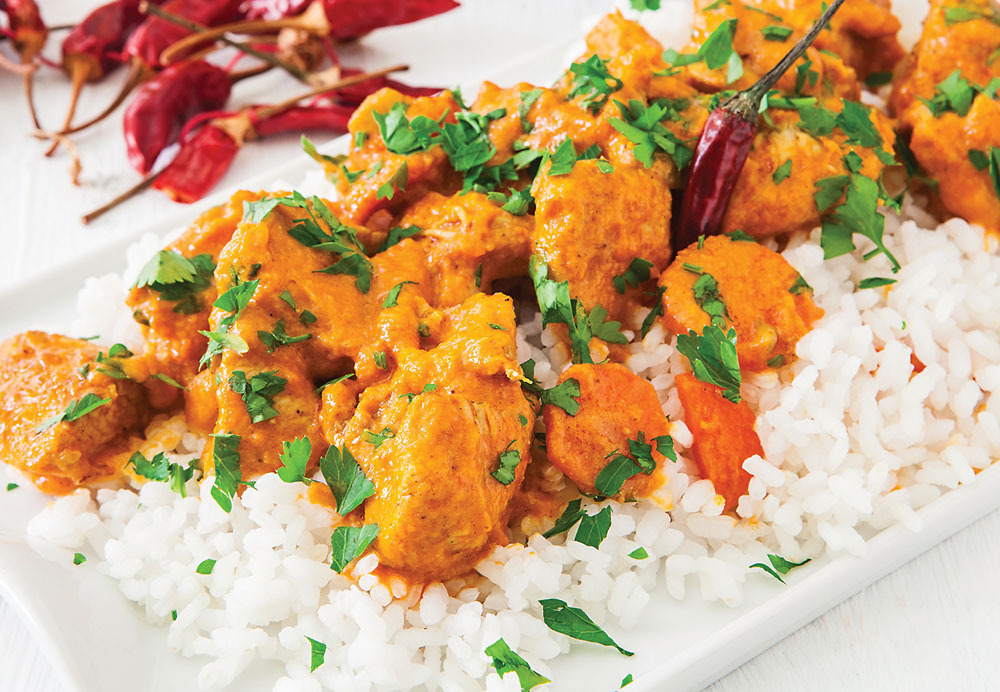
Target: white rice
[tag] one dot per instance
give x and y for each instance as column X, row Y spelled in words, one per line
column 854, row 442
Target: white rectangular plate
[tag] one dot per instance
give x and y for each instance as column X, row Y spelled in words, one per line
column 98, row 642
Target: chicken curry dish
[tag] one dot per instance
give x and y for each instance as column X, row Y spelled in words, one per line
column 369, row 339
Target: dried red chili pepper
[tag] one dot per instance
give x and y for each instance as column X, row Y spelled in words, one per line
column 163, row 104
column 724, row 145
column 200, row 162
column 28, row 34
column 355, row 94
column 352, row 18
column 143, row 47
column 92, row 48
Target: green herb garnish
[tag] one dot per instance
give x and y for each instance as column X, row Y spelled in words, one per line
column 575, row 623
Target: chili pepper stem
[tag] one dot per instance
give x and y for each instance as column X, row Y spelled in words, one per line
column 147, row 8
column 78, row 75
column 313, row 21
column 747, row 103
column 128, row 194
column 7, row 64
column 136, row 75
column 74, row 156
column 29, row 93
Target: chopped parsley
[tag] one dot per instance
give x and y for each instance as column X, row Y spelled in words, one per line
column 403, row 136
column 641, row 5
column 594, row 528
column 345, row 478
column 782, row 172
column 639, row 554
column 563, row 158
column 294, row 458
column 875, row 282
column 713, row 359
column 159, row 468
column 205, row 567
column 258, row 393
column 381, row 359
column 778, row 566
column 178, row 279
column 567, row 520
column 657, row 311
column 877, row 79
column 376, row 439
column 620, row 468
column 392, row 298
column 958, row 15
column 717, row 51
column 12, row 486
column 279, row 337
column 799, row 286
column 348, row 542
column 111, row 364
column 507, row 661
column 776, row 33
column 557, row 307
column 398, row 234
column 641, row 125
column 79, row 559
column 225, row 453
column 429, row 387
column 593, row 82
column 335, row 380
column 317, row 654
column 76, row 409
column 563, row 395
column 953, row 93
column 506, row 470
column 706, row 294
column 776, row 362
column 397, row 183
column 517, row 203
column 857, row 214
column 528, row 99
column 233, row 301
column 468, row 146
column 575, row 623
column 636, row 273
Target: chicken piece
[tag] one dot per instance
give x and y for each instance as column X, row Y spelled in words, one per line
column 955, row 142
column 445, row 441
column 618, row 410
column 172, row 314
column 723, row 433
column 337, row 324
column 764, row 299
column 590, row 226
column 44, row 375
column 862, row 34
column 765, row 203
column 470, row 242
column 371, row 165
column 945, row 146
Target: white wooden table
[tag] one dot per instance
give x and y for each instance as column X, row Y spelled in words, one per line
column 931, row 625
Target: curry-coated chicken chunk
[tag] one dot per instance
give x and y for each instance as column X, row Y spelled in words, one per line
column 945, row 100
column 592, row 225
column 744, row 285
column 61, row 418
column 444, row 440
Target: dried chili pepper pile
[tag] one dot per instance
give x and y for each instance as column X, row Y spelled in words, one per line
column 177, row 95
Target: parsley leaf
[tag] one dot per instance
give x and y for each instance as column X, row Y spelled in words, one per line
column 233, row 301
column 858, row 214
column 294, row 460
column 348, row 542
column 592, row 80
column 717, row 51
column 562, row 395
column 639, row 554
column 397, row 183
column 829, row 191
column 506, row 661
column 953, row 93
column 776, row 33
column 517, row 203
column 278, row 337
column 612, row 477
column 641, row 125
column 706, row 294
column 397, row 234
column 875, row 282
column 567, row 519
column 636, row 273
column 713, row 359
column 641, row 5
column 258, row 393
column 392, row 298
column 166, row 267
column 854, row 119
column 347, row 481
column 12, row 486
column 402, row 136
column 958, row 15
column 528, row 99
column 159, row 468
column 310, row 149
column 778, row 566
column 782, row 172
column 178, row 279
column 877, row 79
column 79, row 559
column 376, row 439
column 817, row 120
column 205, row 567
column 74, row 410
column 594, row 528
column 563, row 158
column 225, row 453
column 657, row 311
column 506, row 470
column 799, row 286
column 317, row 654
column 575, row 623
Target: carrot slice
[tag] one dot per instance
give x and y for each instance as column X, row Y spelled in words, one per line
column 723, row 436
column 616, row 405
